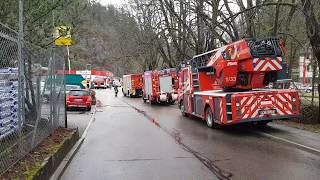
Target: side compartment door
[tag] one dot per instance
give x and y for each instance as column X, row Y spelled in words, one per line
column 125, row 84
column 149, row 86
column 187, row 90
column 129, row 84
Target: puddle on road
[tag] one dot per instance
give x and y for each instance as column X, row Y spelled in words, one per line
column 176, row 135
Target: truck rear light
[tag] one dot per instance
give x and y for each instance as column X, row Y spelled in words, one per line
column 238, row 104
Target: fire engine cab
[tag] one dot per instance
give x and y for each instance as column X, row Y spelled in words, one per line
column 132, row 85
column 227, row 85
column 160, row 86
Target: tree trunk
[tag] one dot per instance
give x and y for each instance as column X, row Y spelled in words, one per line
column 313, row 33
column 276, row 19
column 200, row 24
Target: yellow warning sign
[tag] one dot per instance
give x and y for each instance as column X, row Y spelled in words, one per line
column 63, row 36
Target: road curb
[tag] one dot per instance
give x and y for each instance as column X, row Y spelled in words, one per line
column 66, row 161
column 289, row 142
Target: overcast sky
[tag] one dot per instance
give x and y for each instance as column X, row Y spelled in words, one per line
column 115, row 2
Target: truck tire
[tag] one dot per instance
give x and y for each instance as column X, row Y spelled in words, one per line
column 209, row 118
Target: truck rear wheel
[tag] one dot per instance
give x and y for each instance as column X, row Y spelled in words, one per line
column 209, row 118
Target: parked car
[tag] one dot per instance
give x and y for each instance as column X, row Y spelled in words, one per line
column 290, row 84
column 79, row 98
column 71, row 87
column 303, row 87
column 46, row 93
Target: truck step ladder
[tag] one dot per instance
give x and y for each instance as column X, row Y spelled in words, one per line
column 195, row 80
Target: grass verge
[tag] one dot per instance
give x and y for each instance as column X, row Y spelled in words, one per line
column 32, row 163
column 308, row 127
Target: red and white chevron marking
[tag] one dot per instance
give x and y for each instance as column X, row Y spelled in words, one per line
column 267, row 64
column 221, row 110
column 251, row 105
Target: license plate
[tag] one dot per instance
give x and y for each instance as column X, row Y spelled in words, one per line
column 266, row 102
column 78, row 100
column 268, row 111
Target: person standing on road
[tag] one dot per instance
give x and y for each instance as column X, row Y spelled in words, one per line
column 116, row 90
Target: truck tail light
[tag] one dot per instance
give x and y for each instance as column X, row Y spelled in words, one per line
column 238, row 104
column 294, row 105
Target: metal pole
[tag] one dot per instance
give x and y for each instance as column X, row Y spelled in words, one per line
column 51, row 116
column 38, row 102
column 69, row 63
column 21, row 116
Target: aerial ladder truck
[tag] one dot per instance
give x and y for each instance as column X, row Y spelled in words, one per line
column 228, row 85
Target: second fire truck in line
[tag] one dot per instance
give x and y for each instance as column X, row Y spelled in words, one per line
column 132, row 85
column 161, row 86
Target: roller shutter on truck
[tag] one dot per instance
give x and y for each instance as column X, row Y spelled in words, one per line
column 166, row 84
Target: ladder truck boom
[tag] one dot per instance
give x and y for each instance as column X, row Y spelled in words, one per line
column 243, row 65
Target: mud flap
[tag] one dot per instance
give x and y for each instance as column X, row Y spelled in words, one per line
column 192, row 104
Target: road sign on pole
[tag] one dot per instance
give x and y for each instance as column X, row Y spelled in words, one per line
column 63, row 36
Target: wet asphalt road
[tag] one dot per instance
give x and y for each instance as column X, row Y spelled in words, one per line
column 79, row 119
column 122, row 144
column 234, row 153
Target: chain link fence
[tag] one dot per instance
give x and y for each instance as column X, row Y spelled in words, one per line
column 32, row 96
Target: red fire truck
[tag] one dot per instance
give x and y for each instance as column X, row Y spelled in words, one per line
column 160, row 86
column 227, row 85
column 132, row 85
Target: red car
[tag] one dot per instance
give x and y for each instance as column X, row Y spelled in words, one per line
column 79, row 98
